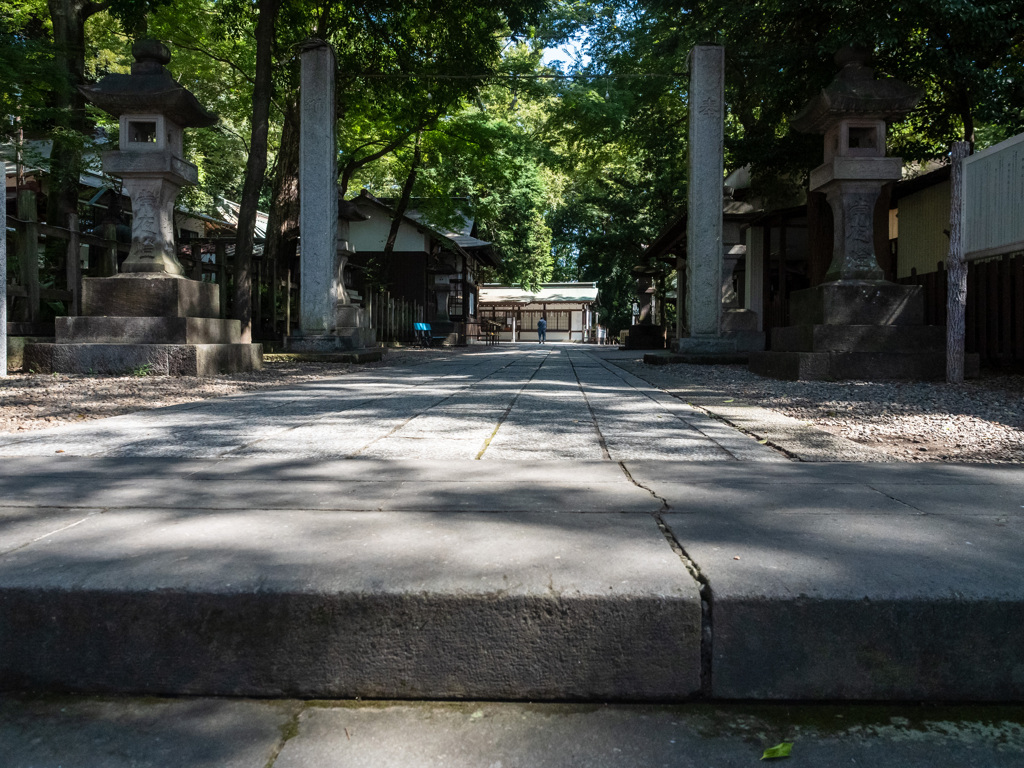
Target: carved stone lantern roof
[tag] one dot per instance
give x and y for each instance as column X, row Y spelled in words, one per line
column 149, row 89
column 856, row 93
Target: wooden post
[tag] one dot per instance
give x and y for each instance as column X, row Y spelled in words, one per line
column 221, row 257
column 275, row 290
column 28, row 253
column 108, row 268
column 288, row 304
column 783, row 288
column 196, row 250
column 257, row 298
column 73, row 265
column 956, row 293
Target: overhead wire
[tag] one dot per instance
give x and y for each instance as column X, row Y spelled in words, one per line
column 620, row 76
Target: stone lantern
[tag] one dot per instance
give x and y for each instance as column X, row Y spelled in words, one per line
column 852, row 112
column 150, row 317
column 153, row 111
column 855, row 325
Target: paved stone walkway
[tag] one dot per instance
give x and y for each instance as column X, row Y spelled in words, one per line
column 506, row 403
column 519, row 523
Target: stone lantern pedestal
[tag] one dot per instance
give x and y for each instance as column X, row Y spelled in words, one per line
column 855, row 325
column 150, row 318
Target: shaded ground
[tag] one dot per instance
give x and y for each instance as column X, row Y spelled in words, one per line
column 31, row 401
column 521, row 403
column 980, row 421
column 240, row 733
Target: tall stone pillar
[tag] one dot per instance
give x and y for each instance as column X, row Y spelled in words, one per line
column 704, row 205
column 318, row 190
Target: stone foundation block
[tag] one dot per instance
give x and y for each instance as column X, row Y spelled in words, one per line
column 345, row 340
column 863, row 366
column 860, row 338
column 858, row 302
column 791, row 366
column 147, row 330
column 16, row 349
column 141, row 295
column 144, row 359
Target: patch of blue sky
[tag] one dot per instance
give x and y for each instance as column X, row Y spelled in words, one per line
column 566, row 56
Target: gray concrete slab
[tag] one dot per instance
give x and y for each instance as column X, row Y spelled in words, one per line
column 329, row 604
column 950, row 476
column 123, row 732
column 901, row 576
column 798, row 439
column 978, row 498
column 552, row 404
column 48, row 732
column 363, row 484
column 21, row 526
column 392, row 735
column 501, row 495
column 679, row 450
column 841, row 604
column 765, row 499
column 398, row 446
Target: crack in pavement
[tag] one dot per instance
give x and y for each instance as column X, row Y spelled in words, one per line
column 511, row 405
column 593, row 415
column 706, row 605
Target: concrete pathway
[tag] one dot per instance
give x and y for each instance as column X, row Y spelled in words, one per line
column 76, row 732
column 505, row 403
column 520, row 523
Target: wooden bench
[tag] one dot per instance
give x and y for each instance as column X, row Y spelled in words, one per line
column 426, row 336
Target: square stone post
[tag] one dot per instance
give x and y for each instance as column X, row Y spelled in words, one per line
column 3, row 284
column 704, row 204
column 318, row 179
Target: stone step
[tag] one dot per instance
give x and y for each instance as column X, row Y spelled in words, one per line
column 308, row 603
column 147, row 330
column 366, row 579
column 860, row 338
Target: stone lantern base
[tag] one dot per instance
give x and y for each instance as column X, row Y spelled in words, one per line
column 153, row 324
column 869, row 330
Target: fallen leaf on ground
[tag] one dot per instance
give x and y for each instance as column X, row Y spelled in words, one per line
column 779, row 750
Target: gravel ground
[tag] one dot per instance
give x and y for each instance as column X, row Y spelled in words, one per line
column 979, row 421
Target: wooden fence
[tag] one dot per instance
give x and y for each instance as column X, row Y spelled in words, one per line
column 995, row 307
column 393, row 318
column 47, row 268
column 49, row 264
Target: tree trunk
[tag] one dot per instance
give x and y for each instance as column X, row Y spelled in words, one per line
column 255, row 166
column 283, row 225
column 68, row 18
column 403, row 204
column 956, row 271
